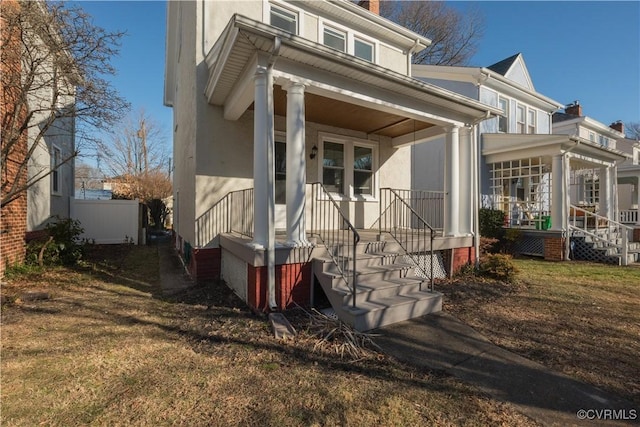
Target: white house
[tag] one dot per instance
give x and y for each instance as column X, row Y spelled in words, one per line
column 629, row 184
column 293, row 126
column 527, row 161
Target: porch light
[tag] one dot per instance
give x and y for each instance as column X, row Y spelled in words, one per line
column 314, row 152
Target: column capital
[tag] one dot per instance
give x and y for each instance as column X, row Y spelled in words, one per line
column 293, row 85
column 451, row 128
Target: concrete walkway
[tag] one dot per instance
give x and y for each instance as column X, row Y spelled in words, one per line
column 173, row 277
column 441, row 342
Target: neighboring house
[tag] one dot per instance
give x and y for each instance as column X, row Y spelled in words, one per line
column 49, row 197
column 293, row 126
column 527, row 163
column 629, row 184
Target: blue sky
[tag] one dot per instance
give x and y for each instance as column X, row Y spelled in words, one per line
column 574, row 50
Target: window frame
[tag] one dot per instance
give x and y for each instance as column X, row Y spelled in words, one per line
column 351, row 37
column 349, row 145
column 336, row 33
column 285, row 7
column 521, row 119
column 532, row 117
column 503, row 120
column 356, row 39
column 56, row 172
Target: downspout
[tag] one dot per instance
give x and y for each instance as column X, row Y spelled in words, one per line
column 271, row 237
column 476, row 187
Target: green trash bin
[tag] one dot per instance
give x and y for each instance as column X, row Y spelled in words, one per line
column 546, row 222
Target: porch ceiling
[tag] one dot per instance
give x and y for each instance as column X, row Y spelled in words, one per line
column 583, row 153
column 342, row 90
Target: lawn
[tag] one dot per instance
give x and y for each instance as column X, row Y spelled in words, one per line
column 105, row 348
column 581, row 319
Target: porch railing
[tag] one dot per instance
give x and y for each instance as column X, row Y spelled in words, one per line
column 629, row 216
column 232, row 213
column 335, row 231
column 407, row 227
column 601, row 229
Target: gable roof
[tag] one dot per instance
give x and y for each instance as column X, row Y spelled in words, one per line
column 501, row 67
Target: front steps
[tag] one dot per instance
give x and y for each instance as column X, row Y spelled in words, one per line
column 387, row 291
column 588, row 248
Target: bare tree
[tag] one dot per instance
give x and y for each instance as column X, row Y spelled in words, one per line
column 455, row 35
column 633, row 130
column 54, row 62
column 139, row 163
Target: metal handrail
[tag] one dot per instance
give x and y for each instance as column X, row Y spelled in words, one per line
column 610, row 227
column 399, row 226
column 232, row 213
column 333, row 228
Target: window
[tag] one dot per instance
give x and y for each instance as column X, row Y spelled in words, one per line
column 520, row 119
column 362, row 170
column 55, row 171
column 503, row 122
column 284, row 19
column 531, row 121
column 636, row 155
column 603, row 140
column 335, row 39
column 333, row 167
column 363, row 49
column 280, row 165
column 592, row 137
column 348, row 166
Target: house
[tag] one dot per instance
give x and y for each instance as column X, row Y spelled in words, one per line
column 629, row 185
column 293, row 132
column 529, row 159
column 47, row 141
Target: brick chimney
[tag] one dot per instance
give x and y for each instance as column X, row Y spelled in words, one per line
column 619, row 126
column 371, row 5
column 574, row 109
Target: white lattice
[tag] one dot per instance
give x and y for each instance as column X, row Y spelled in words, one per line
column 423, row 265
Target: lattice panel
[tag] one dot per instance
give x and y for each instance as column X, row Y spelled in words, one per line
column 424, row 264
column 530, row 245
column 584, row 251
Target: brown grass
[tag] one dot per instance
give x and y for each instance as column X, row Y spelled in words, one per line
column 107, row 349
column 578, row 318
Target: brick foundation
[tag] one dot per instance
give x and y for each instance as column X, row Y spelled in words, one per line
column 554, row 248
column 293, row 286
column 461, row 257
column 205, row 264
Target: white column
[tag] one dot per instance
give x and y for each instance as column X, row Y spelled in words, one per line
column 606, row 194
column 296, row 165
column 466, row 181
column 452, row 182
column 559, row 195
column 635, row 195
column 263, row 171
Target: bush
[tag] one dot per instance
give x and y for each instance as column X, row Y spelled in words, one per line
column 63, row 245
column 499, row 266
column 491, row 222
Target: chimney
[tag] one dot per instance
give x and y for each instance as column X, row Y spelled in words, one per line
column 618, row 125
column 574, row 109
column 372, row 6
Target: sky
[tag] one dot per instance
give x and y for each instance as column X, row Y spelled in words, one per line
column 574, row 50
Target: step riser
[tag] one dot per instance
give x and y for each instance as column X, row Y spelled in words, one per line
column 364, row 295
column 399, row 313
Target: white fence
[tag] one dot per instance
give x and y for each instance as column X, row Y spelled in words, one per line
column 629, row 216
column 107, row 221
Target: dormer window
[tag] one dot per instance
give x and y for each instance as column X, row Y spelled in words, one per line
column 335, row 39
column 284, row 19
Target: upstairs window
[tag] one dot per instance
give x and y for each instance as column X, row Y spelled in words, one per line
column 363, row 49
column 335, row 39
column 284, row 19
column 531, row 121
column 520, row 119
column 503, row 121
column 603, row 140
column 592, row 137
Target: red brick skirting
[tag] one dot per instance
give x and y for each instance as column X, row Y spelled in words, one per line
column 462, row 257
column 554, row 248
column 205, row 264
column 293, row 286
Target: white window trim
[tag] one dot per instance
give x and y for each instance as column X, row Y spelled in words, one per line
column 351, row 36
column 349, row 143
column 506, row 112
column 266, row 13
column 523, row 108
column 535, row 120
column 58, row 172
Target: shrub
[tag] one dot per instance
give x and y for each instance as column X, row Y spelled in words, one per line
column 491, row 222
column 499, row 266
column 63, row 245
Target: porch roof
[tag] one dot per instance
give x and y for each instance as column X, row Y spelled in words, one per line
column 375, row 99
column 499, row 147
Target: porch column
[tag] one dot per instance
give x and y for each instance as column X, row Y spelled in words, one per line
column 605, row 192
column 635, row 198
column 263, row 171
column 467, row 178
column 452, row 182
column 559, row 194
column 296, row 180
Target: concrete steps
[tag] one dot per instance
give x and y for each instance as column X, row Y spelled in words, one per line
column 387, row 289
column 609, row 251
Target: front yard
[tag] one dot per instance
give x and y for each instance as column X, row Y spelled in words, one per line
column 578, row 318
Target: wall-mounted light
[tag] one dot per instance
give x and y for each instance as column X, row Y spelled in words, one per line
column 314, row 152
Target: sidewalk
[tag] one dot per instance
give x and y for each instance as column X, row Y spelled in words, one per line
column 173, row 277
column 441, row 342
